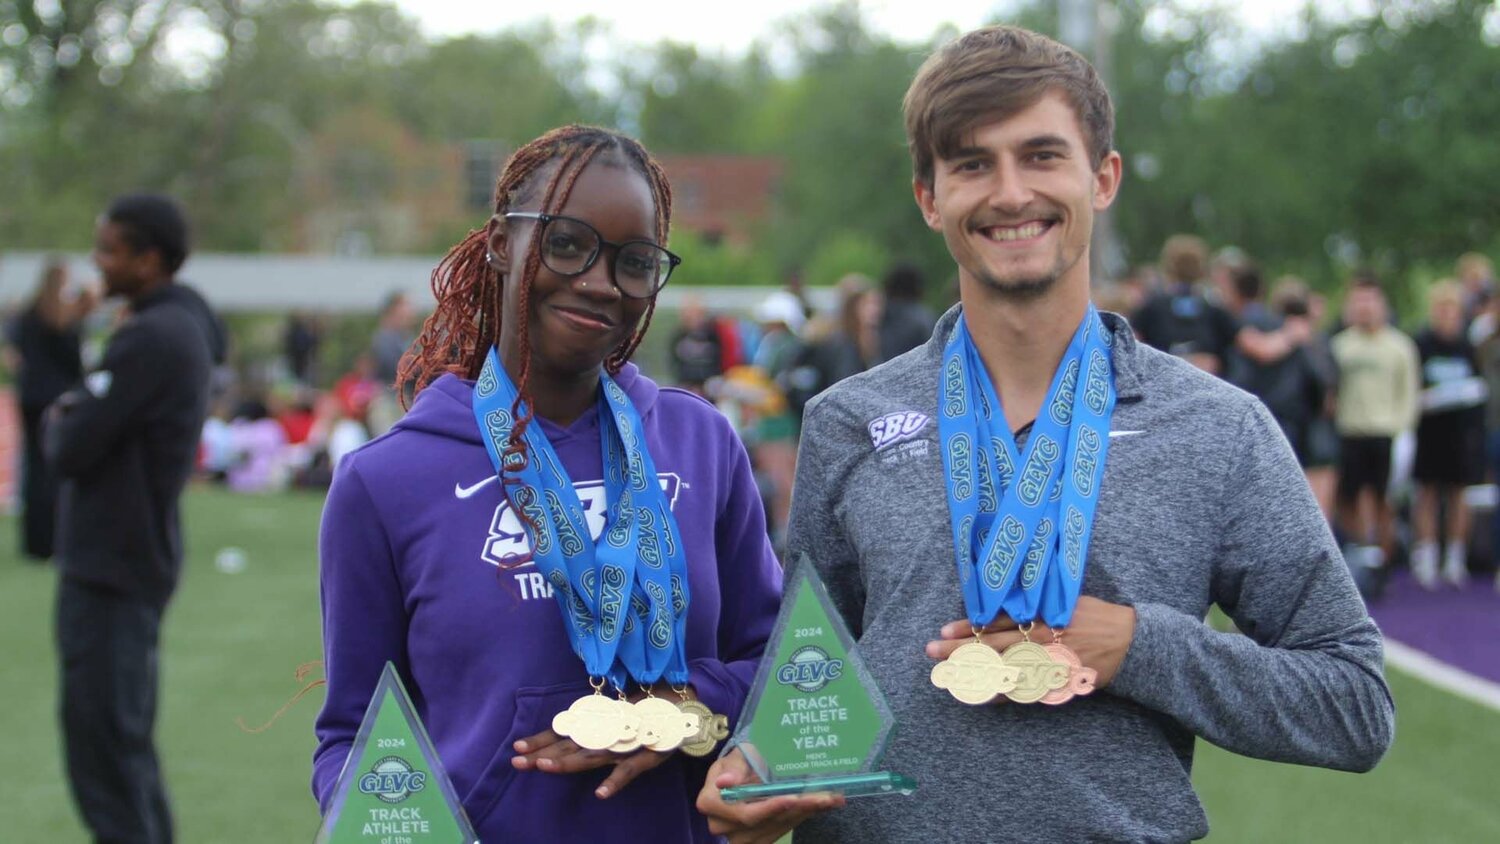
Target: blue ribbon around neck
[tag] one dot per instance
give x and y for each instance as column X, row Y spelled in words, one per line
column 624, row 599
column 1022, row 521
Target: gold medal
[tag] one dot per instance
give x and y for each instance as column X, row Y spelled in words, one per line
column 633, row 743
column 1038, row 673
column 712, row 729
column 596, row 722
column 627, row 745
column 663, row 725
column 974, row 674
column 1080, row 679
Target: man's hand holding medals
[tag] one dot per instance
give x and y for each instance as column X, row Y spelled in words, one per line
column 624, row 599
column 1021, row 525
column 1094, row 646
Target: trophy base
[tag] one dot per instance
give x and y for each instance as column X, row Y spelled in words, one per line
column 852, row 785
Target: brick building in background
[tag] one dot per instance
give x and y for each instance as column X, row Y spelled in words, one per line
column 372, row 187
column 722, row 197
column 718, row 197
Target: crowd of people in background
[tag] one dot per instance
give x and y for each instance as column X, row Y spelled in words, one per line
column 279, row 425
column 1395, row 433
column 1390, row 429
column 283, row 430
column 761, row 370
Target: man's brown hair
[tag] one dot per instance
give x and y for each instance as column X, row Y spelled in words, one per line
column 992, row 74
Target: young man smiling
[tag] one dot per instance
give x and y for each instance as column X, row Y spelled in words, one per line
column 1171, row 492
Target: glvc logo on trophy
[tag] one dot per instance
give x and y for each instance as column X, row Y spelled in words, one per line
column 815, row 720
column 393, row 789
column 392, row 780
column 809, row 669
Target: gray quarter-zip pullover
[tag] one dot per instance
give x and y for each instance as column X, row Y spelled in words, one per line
column 1202, row 503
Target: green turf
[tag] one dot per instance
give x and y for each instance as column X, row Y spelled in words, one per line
column 233, row 641
column 231, row 646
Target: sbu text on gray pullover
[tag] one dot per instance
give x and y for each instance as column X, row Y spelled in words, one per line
column 1202, row 503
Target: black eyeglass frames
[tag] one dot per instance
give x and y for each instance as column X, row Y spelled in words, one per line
column 570, row 247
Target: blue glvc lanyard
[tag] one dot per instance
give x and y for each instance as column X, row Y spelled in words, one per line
column 1022, row 521
column 624, row 600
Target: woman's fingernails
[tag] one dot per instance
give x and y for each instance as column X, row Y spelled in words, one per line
column 520, row 747
column 602, row 792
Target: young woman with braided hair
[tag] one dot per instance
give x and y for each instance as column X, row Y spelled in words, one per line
column 623, row 546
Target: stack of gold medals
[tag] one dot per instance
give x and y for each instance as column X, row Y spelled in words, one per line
column 599, row 722
column 1026, row 672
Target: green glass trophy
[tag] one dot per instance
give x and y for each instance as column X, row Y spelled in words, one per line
column 815, row 720
column 393, row 789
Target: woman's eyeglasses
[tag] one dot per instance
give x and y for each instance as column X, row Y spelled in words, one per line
column 570, row 247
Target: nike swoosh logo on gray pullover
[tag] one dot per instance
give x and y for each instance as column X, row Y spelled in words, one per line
column 1209, row 508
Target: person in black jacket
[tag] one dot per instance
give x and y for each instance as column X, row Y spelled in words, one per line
column 44, row 354
column 124, row 445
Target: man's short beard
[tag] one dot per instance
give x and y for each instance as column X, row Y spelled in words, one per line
column 1033, row 288
column 1022, row 290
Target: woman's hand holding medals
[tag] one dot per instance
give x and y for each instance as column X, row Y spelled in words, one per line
column 1091, row 650
column 632, row 734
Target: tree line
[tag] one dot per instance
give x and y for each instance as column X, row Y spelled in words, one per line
column 1360, row 142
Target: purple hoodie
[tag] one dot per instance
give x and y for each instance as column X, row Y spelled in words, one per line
column 412, row 530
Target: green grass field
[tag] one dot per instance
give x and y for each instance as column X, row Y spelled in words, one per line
column 234, row 641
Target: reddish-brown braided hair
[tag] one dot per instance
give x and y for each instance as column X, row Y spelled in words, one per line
column 466, row 323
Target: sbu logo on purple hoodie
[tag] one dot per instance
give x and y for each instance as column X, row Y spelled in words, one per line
column 507, row 538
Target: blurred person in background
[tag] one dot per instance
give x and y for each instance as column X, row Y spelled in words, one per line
column 1476, row 278
column 426, row 562
column 1450, row 439
column 1182, row 320
column 44, row 353
column 393, row 336
column 1132, row 291
column 293, row 408
column 796, row 285
column 781, row 319
column 259, row 456
column 1379, row 380
column 125, row 444
column 357, row 388
column 1294, row 388
column 837, row 345
column 1310, row 404
column 1179, row 319
column 733, row 341
column 300, row 340
column 333, row 436
column 1242, row 297
column 1223, row 270
column 905, row 321
column 697, row 348
column 1488, row 355
column 336, row 433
